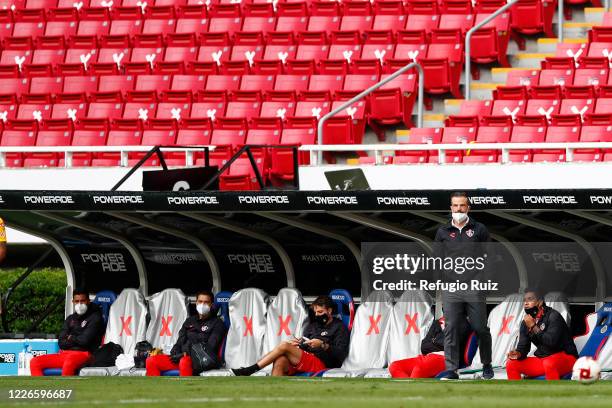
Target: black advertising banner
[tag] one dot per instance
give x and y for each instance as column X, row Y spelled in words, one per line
column 302, row 201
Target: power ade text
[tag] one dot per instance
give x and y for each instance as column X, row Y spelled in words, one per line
column 402, row 200
column 119, row 199
column 193, row 200
column 112, row 262
column 493, row 200
column 48, row 200
column 257, row 263
column 594, row 199
column 549, row 200
column 352, row 200
column 281, row 199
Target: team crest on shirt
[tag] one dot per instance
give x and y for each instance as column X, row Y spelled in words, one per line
column 604, row 329
column 469, row 233
column 453, row 235
column 542, row 326
column 324, row 333
column 204, row 328
column 84, row 323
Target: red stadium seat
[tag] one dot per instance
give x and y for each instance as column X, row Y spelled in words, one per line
column 51, row 133
column 297, row 83
column 475, row 108
column 116, row 83
column 194, row 132
column 223, row 83
column 394, row 101
column 323, row 23
column 188, row 83
column 257, row 83
column 18, row 133
column 389, row 22
column 594, row 77
column 523, row 77
column 48, row 85
column 241, row 175
column 331, row 83
column 556, row 77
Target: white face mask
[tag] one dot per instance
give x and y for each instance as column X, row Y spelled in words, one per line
column 459, row 218
column 203, row 308
column 80, row 308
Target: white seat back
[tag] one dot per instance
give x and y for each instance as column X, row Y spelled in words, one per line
column 287, row 317
column 411, row 319
column 370, row 334
column 247, row 311
column 558, row 301
column 127, row 320
column 168, row 312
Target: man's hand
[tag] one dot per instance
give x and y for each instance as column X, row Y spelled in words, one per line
column 529, row 321
column 514, row 355
column 315, row 343
column 294, row 341
column 177, row 357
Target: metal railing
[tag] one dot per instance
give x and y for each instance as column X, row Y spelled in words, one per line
column 468, row 47
column 372, row 89
column 441, row 149
column 468, row 37
column 124, row 151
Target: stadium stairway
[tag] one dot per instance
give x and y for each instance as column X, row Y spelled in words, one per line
column 537, row 49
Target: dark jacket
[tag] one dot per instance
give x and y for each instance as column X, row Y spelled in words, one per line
column 467, row 242
column 209, row 330
column 336, row 335
column 554, row 336
column 83, row 333
column 434, row 339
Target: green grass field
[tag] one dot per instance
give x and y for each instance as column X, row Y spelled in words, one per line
column 305, row 392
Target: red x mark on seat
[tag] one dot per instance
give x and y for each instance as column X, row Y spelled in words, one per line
column 165, row 331
column 412, row 323
column 248, row 321
column 505, row 329
column 125, row 326
column 284, row 325
column 374, row 325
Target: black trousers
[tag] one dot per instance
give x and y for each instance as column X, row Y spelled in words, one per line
column 457, row 308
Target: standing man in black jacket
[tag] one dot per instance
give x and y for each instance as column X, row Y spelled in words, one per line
column 80, row 336
column 461, row 238
column 543, row 326
column 205, row 327
column 324, row 344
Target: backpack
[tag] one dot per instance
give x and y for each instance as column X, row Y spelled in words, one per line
column 201, row 359
column 141, row 352
column 106, row 355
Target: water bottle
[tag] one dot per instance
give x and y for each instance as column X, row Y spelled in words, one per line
column 24, row 360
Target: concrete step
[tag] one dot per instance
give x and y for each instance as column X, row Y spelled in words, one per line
column 452, row 106
column 433, row 120
column 529, row 60
column 500, row 75
column 594, row 15
column 483, row 90
column 549, row 45
column 576, row 29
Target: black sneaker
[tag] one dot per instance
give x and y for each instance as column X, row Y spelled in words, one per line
column 449, row 375
column 242, row 371
column 487, row 372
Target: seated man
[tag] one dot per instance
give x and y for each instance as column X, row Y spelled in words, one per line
column 431, row 362
column 544, row 327
column 81, row 335
column 204, row 327
column 324, row 345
